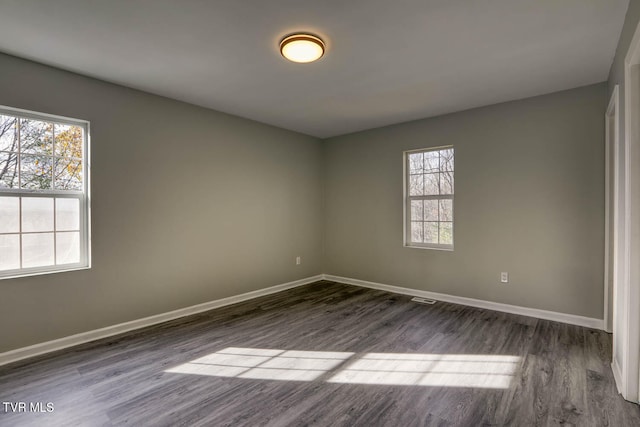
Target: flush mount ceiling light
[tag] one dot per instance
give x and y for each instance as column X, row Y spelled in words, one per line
column 302, row 48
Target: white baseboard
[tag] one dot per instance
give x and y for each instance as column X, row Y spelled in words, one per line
column 490, row 305
column 81, row 338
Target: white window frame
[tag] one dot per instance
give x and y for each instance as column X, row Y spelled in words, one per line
column 83, row 197
column 407, row 202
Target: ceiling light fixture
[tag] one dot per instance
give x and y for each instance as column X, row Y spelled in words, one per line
column 302, row 48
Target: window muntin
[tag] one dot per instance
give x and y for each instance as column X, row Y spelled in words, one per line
column 44, row 212
column 429, row 189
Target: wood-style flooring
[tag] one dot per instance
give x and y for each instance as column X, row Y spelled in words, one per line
column 328, row 354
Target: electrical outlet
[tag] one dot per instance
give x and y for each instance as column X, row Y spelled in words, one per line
column 504, row 277
column 298, row 260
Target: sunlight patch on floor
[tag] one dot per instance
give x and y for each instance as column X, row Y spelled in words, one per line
column 436, row 370
column 265, row 364
column 404, row 369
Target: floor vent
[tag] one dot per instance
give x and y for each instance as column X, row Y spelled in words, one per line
column 423, row 300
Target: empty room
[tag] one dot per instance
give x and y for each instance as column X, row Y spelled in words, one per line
column 335, row 213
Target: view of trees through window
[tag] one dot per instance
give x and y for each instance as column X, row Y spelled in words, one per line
column 430, row 190
column 40, row 155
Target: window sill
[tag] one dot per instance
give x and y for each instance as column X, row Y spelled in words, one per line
column 437, row 248
column 41, row 272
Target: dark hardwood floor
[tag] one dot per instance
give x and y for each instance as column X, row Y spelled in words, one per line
column 328, row 354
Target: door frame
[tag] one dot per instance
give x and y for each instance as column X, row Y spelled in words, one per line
column 611, row 116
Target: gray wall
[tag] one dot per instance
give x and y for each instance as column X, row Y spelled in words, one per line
column 616, row 77
column 189, row 205
column 529, row 200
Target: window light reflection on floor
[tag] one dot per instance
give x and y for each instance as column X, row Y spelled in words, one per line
column 439, row 370
column 264, row 364
column 403, row 369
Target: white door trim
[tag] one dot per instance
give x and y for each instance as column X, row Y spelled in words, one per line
column 610, row 116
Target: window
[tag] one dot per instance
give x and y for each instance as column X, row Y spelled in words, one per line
column 429, row 198
column 44, row 212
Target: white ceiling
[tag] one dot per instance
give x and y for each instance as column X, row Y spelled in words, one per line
column 388, row 61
